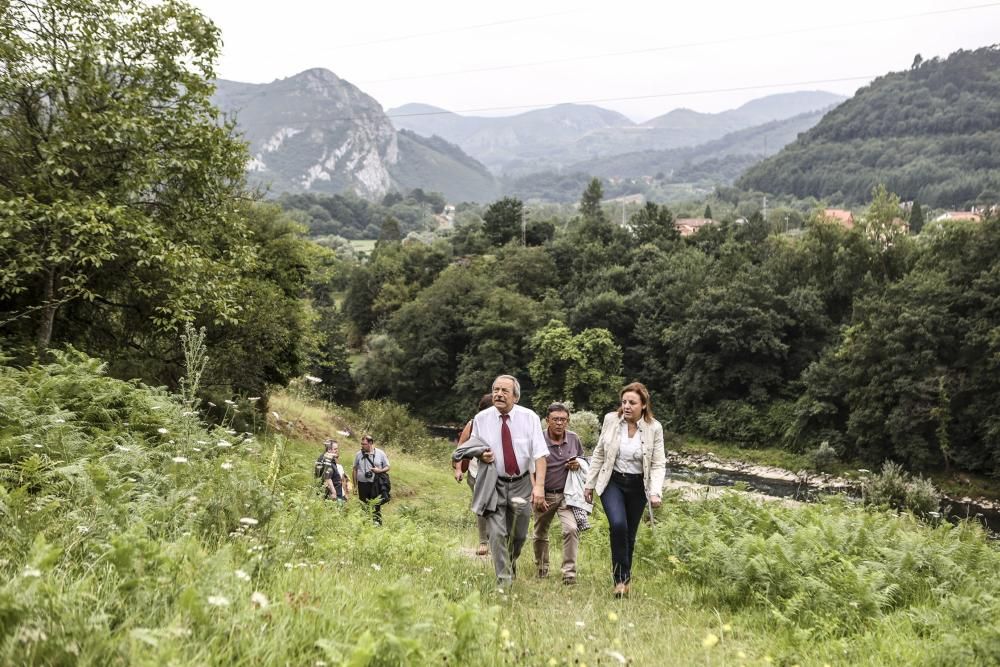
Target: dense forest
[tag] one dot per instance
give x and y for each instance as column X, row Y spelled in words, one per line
column 870, row 340
column 349, row 216
column 931, row 134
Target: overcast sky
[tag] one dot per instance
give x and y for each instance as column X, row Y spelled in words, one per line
column 640, row 58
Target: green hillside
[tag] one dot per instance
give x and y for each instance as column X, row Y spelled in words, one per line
column 931, row 134
column 133, row 533
column 438, row 166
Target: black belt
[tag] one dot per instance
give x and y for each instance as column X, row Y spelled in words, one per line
column 505, row 478
column 627, row 475
column 553, row 490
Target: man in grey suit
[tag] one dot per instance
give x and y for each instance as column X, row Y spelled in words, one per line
column 517, row 451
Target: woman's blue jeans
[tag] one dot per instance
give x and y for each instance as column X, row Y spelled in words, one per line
column 624, row 501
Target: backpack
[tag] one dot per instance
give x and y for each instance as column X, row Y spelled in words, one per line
column 318, row 467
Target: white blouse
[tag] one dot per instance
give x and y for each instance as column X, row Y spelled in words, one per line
column 629, row 459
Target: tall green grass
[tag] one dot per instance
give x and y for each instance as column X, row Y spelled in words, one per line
column 132, row 533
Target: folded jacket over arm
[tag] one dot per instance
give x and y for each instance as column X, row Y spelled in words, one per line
column 484, row 494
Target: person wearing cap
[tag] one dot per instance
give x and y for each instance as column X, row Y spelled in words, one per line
column 370, row 465
column 564, row 449
column 517, row 451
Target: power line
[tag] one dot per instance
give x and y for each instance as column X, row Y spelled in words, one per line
column 685, row 45
column 445, row 31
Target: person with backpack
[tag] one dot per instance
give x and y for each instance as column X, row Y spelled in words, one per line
column 371, row 477
column 329, row 472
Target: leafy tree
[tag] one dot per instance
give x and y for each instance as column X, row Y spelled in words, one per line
column 391, row 199
column 393, row 276
column 539, row 232
column 654, row 224
column 916, row 218
column 390, row 232
column 590, row 202
column 585, row 368
column 502, row 220
column 117, row 176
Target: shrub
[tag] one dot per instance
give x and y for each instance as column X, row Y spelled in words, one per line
column 587, row 425
column 895, row 488
column 824, row 457
column 392, row 426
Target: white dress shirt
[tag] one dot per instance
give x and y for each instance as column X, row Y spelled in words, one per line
column 525, row 432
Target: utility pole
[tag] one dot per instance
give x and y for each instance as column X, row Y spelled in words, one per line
column 765, row 208
column 524, row 233
column 623, row 211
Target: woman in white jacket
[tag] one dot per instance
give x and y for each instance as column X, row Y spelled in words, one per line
column 627, row 470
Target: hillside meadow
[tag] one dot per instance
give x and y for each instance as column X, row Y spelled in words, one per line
column 133, row 533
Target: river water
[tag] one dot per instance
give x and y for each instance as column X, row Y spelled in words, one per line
column 953, row 509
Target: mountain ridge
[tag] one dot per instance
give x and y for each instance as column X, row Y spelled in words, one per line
column 562, row 135
column 314, row 131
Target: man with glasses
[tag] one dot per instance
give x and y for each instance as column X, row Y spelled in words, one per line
column 370, row 465
column 564, row 451
column 517, row 451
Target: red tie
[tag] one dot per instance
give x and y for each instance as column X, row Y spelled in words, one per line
column 509, row 459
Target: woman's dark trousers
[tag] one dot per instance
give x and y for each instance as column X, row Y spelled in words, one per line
column 624, row 501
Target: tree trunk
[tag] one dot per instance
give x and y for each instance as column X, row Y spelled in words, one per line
column 48, row 314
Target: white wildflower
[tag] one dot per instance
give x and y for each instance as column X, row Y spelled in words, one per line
column 197, row 449
column 83, row 530
column 242, row 576
column 376, row 567
column 313, row 379
column 580, row 624
column 231, row 431
column 227, row 466
column 253, row 398
column 228, row 402
column 201, row 442
column 428, row 570
column 187, row 413
column 179, row 459
column 249, row 521
column 622, row 660
column 288, row 566
column 38, row 447
column 31, row 572
column 162, row 431
column 259, row 600
column 223, row 443
column 60, row 421
column 218, row 601
column 122, row 449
